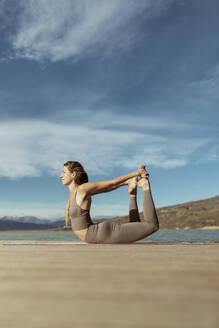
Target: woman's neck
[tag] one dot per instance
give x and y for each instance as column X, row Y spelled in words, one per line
column 72, row 186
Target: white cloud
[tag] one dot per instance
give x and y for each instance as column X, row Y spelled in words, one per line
column 56, row 210
column 41, row 210
column 57, row 30
column 110, row 119
column 31, row 147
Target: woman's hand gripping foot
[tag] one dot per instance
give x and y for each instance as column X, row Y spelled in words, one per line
column 132, row 183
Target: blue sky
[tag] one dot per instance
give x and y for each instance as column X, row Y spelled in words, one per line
column 112, row 84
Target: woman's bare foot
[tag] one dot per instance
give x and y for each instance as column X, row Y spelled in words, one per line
column 144, row 180
column 132, row 183
column 144, row 184
column 141, row 170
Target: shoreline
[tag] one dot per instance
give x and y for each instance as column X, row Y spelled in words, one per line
column 57, row 230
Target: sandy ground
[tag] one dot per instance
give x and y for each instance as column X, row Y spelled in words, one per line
column 138, row 285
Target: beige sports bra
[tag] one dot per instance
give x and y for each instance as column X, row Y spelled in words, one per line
column 80, row 218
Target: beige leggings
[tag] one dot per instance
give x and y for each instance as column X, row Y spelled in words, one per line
column 109, row 232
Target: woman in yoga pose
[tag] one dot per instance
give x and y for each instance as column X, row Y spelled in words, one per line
column 108, row 232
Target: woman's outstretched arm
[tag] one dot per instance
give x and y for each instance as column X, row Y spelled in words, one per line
column 93, row 188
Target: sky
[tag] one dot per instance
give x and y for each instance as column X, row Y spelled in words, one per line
column 111, row 84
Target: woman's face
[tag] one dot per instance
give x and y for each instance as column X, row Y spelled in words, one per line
column 67, row 177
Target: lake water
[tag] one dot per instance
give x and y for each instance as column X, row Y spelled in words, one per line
column 159, row 236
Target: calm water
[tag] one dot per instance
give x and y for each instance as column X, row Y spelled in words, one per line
column 161, row 236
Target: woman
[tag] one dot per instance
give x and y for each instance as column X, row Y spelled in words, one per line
column 108, row 232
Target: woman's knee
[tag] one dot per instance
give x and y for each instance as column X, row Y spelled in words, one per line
column 152, row 228
column 156, row 227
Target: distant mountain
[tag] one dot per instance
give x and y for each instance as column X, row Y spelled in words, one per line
column 190, row 215
column 28, row 223
column 26, row 219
